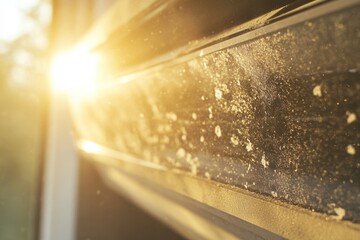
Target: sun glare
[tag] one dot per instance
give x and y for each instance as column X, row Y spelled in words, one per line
column 74, row 72
column 89, row 147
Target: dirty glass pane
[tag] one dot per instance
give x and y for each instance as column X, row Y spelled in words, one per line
column 276, row 115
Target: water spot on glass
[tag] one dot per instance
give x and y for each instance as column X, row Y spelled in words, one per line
column 218, row 131
column 181, row 153
column 218, row 93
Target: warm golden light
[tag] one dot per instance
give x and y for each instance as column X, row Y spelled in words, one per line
column 89, row 147
column 74, row 72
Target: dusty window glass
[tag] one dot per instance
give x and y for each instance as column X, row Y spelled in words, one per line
column 276, row 115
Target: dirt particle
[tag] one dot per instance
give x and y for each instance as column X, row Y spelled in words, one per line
column 317, row 91
column 234, row 140
column 183, row 137
column 210, row 112
column 248, row 169
column 172, row 116
column 264, row 162
column 194, row 116
column 340, row 212
column 249, row 146
column 274, row 194
column 351, row 117
column 350, row 149
column 165, row 139
column 193, row 169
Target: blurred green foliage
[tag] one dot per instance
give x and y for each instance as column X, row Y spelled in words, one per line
column 22, row 98
column 20, row 135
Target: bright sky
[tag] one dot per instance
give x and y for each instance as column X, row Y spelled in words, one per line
column 12, row 19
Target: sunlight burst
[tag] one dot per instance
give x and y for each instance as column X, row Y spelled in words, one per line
column 74, row 72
